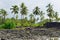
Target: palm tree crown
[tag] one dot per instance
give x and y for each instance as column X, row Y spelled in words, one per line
column 50, row 12
column 23, row 9
column 36, row 11
column 15, row 9
column 3, row 13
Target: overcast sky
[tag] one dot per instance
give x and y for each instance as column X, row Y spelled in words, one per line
column 31, row 4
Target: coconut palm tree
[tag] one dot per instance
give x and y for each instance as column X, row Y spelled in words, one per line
column 36, row 11
column 23, row 10
column 3, row 13
column 50, row 12
column 15, row 9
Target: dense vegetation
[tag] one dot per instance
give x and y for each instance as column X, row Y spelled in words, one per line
column 10, row 23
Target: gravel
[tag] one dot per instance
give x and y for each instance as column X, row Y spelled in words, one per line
column 33, row 34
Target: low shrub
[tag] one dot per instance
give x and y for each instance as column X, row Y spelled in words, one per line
column 1, row 26
column 9, row 24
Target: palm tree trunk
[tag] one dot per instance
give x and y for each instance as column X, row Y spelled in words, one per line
column 21, row 16
column 14, row 16
column 35, row 19
column 21, row 19
column 4, row 18
column 50, row 20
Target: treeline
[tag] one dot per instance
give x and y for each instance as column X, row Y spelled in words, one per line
column 9, row 23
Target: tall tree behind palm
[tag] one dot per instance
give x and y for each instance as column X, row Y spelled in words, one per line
column 23, row 10
column 41, row 15
column 56, row 16
column 32, row 20
column 15, row 9
column 36, row 11
column 31, row 16
column 50, row 12
column 4, row 13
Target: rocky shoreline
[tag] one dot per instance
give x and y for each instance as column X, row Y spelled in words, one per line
column 29, row 34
